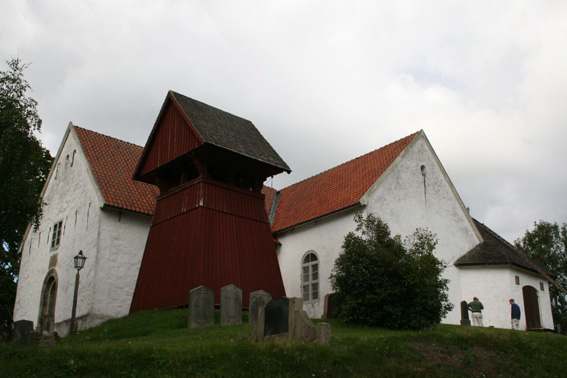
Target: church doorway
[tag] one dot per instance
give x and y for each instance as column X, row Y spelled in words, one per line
column 531, row 307
column 46, row 321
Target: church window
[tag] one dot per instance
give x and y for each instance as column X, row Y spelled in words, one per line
column 310, row 277
column 517, row 278
column 73, row 157
column 541, row 286
column 56, row 237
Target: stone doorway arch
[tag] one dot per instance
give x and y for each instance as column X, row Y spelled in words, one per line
column 46, row 321
column 531, row 307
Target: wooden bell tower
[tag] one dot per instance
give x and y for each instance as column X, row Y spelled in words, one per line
column 209, row 226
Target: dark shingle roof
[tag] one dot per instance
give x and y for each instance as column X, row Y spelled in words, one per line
column 494, row 250
column 228, row 131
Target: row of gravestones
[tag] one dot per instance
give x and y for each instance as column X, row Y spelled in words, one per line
column 202, row 305
column 281, row 318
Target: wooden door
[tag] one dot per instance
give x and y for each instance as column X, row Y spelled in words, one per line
column 47, row 309
column 531, row 307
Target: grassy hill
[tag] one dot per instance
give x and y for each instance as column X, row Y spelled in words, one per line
column 157, row 343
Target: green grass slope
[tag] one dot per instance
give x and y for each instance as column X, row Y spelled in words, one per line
column 157, row 343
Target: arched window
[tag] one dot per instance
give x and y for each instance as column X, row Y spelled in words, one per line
column 73, row 157
column 310, row 277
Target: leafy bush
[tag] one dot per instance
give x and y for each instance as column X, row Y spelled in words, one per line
column 381, row 281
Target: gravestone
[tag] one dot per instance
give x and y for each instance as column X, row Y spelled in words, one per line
column 465, row 314
column 258, row 298
column 23, row 331
column 231, row 305
column 284, row 319
column 201, row 307
column 330, row 306
column 276, row 317
column 324, row 333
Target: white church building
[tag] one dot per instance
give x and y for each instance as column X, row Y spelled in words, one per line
column 92, row 204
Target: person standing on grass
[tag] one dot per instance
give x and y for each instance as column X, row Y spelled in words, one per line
column 476, row 308
column 516, row 315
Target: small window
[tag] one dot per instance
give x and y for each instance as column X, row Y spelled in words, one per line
column 56, row 236
column 66, row 160
column 423, row 173
column 73, row 157
column 517, row 278
column 541, row 286
column 310, row 277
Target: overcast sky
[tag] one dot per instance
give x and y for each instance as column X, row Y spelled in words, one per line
column 324, row 82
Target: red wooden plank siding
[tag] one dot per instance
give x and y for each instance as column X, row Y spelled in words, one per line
column 173, row 138
column 208, row 234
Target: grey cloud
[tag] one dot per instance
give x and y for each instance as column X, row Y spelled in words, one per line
column 324, row 82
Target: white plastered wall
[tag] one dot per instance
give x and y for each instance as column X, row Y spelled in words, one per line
column 325, row 237
column 71, row 197
column 494, row 286
column 400, row 199
column 123, row 239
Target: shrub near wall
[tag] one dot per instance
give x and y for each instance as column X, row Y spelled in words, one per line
column 381, row 281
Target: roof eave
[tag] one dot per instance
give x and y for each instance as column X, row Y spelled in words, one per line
column 107, row 206
column 318, row 218
column 502, row 264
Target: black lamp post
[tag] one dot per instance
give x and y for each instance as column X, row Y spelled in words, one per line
column 79, row 264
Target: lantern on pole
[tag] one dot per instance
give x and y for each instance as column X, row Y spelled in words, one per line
column 79, row 262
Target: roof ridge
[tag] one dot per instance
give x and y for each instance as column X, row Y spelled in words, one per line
column 175, row 93
column 348, row 161
column 510, row 246
column 107, row 136
column 495, row 234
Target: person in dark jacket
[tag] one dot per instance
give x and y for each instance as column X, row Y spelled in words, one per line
column 476, row 308
column 516, row 314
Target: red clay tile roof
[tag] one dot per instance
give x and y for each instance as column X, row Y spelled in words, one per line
column 112, row 163
column 335, row 189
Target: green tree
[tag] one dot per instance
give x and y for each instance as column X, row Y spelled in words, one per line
column 546, row 243
column 381, row 281
column 24, row 165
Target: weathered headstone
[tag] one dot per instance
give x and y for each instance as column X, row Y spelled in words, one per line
column 201, row 307
column 330, row 311
column 303, row 329
column 23, row 331
column 276, row 317
column 465, row 314
column 258, row 298
column 231, row 305
column 284, row 318
column 258, row 328
column 323, row 333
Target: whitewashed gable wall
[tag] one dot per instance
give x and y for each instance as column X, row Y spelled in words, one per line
column 399, row 199
column 70, row 196
column 403, row 201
